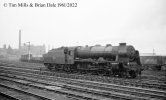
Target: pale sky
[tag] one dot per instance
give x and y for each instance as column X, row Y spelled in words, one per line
column 141, row 23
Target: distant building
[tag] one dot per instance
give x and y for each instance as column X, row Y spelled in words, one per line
column 3, row 52
column 147, row 54
column 34, row 50
column 4, row 46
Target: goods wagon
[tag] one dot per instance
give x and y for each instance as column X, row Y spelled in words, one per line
column 31, row 58
column 153, row 62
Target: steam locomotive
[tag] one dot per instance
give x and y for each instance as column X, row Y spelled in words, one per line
column 122, row 60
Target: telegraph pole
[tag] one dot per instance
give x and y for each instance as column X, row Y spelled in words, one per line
column 29, row 58
column 153, row 51
column 19, row 47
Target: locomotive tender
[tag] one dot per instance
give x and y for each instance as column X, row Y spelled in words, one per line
column 122, row 60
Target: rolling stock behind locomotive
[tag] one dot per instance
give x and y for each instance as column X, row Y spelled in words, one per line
column 122, row 60
column 153, row 62
column 31, row 58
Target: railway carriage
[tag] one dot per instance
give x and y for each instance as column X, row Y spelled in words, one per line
column 122, row 60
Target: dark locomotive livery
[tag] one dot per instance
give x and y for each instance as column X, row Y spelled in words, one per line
column 122, row 60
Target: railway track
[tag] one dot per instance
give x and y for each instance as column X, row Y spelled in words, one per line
column 132, row 92
column 17, row 91
column 146, row 77
column 143, row 79
column 43, row 91
column 145, row 83
column 75, row 92
column 18, row 64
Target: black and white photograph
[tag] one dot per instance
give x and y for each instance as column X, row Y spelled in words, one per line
column 82, row 49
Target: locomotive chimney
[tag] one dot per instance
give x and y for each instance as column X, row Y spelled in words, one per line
column 122, row 44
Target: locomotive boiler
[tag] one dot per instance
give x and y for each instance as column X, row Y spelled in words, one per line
column 122, row 60
column 106, row 51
